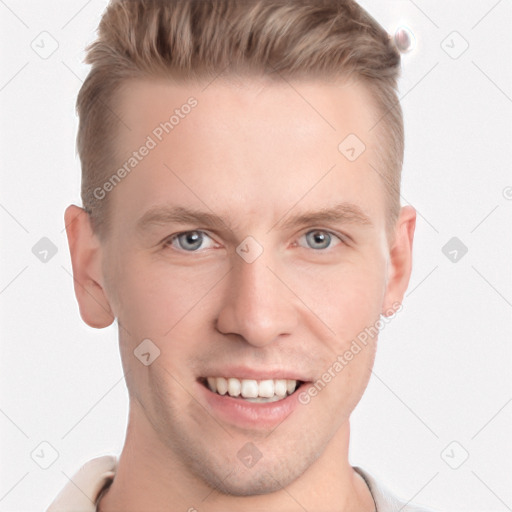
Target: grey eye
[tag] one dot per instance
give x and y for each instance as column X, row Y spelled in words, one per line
column 318, row 239
column 190, row 240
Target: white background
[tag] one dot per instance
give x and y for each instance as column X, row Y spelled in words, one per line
column 443, row 369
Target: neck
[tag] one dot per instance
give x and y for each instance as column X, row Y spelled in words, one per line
column 151, row 477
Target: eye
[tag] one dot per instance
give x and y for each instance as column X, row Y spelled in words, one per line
column 319, row 239
column 189, row 241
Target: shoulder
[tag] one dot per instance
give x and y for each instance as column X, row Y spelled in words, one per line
column 81, row 492
column 385, row 500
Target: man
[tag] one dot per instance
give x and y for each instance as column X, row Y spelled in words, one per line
column 241, row 221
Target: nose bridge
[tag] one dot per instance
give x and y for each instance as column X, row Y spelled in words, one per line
column 257, row 306
column 256, row 285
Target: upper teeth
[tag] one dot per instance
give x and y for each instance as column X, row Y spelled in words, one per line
column 248, row 388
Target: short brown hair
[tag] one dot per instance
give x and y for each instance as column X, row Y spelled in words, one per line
column 199, row 39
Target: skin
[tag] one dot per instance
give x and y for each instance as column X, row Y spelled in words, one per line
column 254, row 153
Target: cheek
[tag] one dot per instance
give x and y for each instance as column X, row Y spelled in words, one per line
column 347, row 297
column 156, row 297
column 348, row 381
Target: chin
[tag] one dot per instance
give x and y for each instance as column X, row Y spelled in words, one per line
column 250, row 483
column 264, row 478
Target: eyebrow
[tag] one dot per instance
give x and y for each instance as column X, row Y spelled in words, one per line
column 342, row 213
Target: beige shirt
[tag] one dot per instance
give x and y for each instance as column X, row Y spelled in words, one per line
column 83, row 492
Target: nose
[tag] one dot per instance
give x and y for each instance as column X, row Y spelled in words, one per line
column 256, row 304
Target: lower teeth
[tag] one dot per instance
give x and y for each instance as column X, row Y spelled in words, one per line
column 262, row 400
column 258, row 399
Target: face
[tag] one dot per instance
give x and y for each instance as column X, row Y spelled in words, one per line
column 261, row 287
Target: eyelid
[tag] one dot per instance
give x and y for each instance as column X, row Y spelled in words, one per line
column 343, row 237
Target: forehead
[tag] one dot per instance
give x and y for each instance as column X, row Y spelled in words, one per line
column 326, row 109
column 249, row 143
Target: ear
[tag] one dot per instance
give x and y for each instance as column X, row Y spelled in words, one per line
column 400, row 261
column 86, row 258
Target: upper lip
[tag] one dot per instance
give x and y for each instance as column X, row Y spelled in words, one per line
column 245, row 372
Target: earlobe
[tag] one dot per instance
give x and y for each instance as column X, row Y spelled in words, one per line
column 400, row 261
column 86, row 254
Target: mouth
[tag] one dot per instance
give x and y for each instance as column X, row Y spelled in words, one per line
column 252, row 390
column 249, row 402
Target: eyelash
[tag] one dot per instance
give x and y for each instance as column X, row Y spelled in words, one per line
column 169, row 241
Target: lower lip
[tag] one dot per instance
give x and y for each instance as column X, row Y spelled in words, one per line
column 248, row 414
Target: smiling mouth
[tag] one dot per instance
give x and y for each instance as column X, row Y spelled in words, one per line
column 250, row 390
